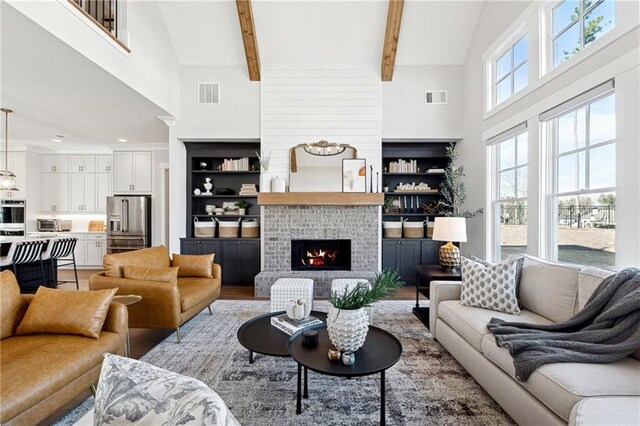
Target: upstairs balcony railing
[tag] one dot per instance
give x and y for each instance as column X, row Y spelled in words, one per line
column 107, row 15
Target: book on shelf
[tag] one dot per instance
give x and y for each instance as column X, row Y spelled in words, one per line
column 237, row 165
column 435, row 171
column 290, row 326
column 403, row 166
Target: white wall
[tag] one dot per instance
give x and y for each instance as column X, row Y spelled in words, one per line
column 404, row 112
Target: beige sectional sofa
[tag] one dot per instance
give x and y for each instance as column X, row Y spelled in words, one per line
column 570, row 393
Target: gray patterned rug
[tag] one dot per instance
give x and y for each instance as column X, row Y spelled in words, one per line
column 427, row 385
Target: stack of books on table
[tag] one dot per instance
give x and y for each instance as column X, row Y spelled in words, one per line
column 290, row 326
column 248, row 189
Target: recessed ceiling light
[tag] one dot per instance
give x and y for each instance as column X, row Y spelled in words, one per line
column 56, row 140
column 122, row 140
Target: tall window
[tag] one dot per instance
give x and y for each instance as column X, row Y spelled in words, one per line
column 577, row 23
column 584, row 163
column 510, row 203
column 511, row 71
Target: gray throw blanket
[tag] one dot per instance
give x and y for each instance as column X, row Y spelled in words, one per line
column 606, row 330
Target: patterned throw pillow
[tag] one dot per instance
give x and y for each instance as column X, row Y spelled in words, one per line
column 520, row 264
column 490, row 287
column 131, row 391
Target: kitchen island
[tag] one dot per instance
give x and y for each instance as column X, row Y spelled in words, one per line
column 29, row 275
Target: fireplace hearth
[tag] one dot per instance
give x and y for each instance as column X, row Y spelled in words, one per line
column 321, row 255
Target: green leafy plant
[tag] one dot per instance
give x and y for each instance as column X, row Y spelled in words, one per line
column 388, row 202
column 453, row 188
column 384, row 285
column 242, row 204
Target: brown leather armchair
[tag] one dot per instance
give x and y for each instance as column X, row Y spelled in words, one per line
column 163, row 304
column 42, row 372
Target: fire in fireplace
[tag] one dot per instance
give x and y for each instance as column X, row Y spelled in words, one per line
column 320, row 255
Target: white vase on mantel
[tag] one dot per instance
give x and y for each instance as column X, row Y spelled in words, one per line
column 347, row 328
column 265, row 182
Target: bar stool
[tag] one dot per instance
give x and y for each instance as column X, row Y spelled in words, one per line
column 23, row 252
column 61, row 249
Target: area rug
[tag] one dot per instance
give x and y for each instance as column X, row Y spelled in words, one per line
column 427, row 385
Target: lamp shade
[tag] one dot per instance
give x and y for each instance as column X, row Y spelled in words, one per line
column 450, row 229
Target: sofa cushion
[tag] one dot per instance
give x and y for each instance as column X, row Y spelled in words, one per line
column 612, row 410
column 141, row 273
column 12, row 306
column 154, row 257
column 194, row 265
column 34, row 367
column 588, row 280
column 67, row 312
column 471, row 323
column 194, row 291
column 548, row 288
column 491, row 286
column 561, row 385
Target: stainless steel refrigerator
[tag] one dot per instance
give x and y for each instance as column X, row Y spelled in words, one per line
column 128, row 223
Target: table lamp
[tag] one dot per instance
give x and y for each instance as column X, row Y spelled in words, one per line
column 450, row 229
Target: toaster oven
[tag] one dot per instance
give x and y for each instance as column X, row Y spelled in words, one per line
column 54, row 225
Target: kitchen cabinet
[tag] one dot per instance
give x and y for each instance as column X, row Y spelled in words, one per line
column 104, row 163
column 104, row 189
column 132, row 172
column 82, row 163
column 55, row 163
column 90, row 247
column 55, row 192
column 95, row 247
column 82, row 192
column 402, row 255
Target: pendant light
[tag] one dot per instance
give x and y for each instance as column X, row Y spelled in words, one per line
column 7, row 178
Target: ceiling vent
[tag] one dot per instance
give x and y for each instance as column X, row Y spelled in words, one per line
column 435, row 97
column 208, row 93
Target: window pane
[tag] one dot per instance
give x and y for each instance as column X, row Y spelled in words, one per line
column 599, row 21
column 503, row 90
column 572, row 130
column 507, row 152
column 586, row 230
column 513, row 228
column 564, row 14
column 566, row 45
column 571, row 172
column 503, row 65
column 522, row 148
column 522, row 182
column 520, row 51
column 507, row 184
column 520, row 77
column 602, row 167
column 602, row 120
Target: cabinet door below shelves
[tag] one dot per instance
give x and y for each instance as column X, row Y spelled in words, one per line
column 231, row 262
column 408, row 258
column 430, row 250
column 250, row 253
column 389, row 257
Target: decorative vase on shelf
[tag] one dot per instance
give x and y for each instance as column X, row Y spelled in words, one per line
column 347, row 328
column 265, row 182
column 278, row 184
column 208, row 186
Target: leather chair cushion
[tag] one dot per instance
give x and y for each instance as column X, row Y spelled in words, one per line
column 67, row 312
column 194, row 265
column 195, row 290
column 141, row 273
column 154, row 257
column 12, row 305
column 35, row 367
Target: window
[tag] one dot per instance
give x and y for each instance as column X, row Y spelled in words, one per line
column 577, row 23
column 510, row 201
column 584, row 181
column 511, row 71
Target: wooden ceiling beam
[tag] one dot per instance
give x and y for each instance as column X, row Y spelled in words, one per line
column 390, row 47
column 245, row 14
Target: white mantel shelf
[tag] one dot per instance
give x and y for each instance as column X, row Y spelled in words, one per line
column 320, row 199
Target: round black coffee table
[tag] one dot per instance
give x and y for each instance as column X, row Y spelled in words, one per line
column 380, row 351
column 258, row 335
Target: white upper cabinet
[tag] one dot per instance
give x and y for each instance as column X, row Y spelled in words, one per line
column 55, row 163
column 82, row 192
column 104, row 163
column 82, row 163
column 132, row 172
column 55, row 192
column 104, row 189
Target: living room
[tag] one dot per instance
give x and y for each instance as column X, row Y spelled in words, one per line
column 250, row 200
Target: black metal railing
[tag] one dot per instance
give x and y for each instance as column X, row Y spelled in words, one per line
column 105, row 12
column 572, row 216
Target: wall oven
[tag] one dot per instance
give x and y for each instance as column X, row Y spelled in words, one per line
column 12, row 217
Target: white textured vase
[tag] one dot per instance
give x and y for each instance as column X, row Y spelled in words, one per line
column 347, row 328
column 265, row 182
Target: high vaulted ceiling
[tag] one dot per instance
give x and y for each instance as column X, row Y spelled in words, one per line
column 320, row 32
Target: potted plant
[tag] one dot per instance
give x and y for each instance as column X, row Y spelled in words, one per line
column 347, row 320
column 242, row 206
column 388, row 203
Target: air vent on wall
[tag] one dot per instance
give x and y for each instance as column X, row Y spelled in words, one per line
column 435, row 97
column 208, row 93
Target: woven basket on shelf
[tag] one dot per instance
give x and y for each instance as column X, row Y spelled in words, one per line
column 392, row 229
column 250, row 229
column 228, row 229
column 204, row 229
column 413, row 230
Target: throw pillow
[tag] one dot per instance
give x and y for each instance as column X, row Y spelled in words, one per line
column 11, row 304
column 157, row 257
column 194, row 265
column 490, row 287
column 134, row 392
column 141, row 273
column 519, row 265
column 67, row 312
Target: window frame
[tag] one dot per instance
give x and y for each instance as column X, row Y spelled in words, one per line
column 508, row 49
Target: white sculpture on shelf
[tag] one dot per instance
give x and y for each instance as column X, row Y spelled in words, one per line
column 208, row 185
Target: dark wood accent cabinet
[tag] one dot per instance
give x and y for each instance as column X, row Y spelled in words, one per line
column 402, row 255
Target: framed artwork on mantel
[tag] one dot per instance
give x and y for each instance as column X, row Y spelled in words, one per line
column 354, row 175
